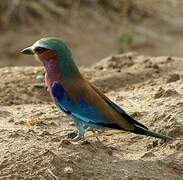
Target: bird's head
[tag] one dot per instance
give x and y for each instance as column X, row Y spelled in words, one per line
column 48, row 48
column 53, row 51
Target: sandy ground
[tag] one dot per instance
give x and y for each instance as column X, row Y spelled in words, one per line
column 33, row 133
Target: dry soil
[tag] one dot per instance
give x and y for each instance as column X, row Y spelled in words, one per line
column 33, row 143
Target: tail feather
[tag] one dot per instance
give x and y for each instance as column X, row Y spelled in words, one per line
column 140, row 130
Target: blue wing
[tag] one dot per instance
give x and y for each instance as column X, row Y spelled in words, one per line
column 91, row 116
column 80, row 110
column 86, row 113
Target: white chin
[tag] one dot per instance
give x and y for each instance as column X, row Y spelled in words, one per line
column 36, row 57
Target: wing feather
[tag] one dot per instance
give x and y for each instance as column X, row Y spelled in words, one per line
column 117, row 108
column 87, row 103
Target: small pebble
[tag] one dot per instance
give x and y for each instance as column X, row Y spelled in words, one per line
column 65, row 142
column 78, row 158
column 56, row 139
column 173, row 78
column 68, row 170
column 115, row 161
column 71, row 124
column 45, row 133
column 11, row 120
column 152, row 144
column 85, row 142
column 53, row 124
column 20, row 123
column 165, row 93
column 14, row 134
column 109, row 151
column 40, row 77
column 148, row 154
column 169, row 58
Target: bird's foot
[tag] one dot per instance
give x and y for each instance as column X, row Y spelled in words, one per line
column 72, row 135
column 80, row 132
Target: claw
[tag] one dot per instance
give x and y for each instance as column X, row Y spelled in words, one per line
column 78, row 138
column 80, row 131
column 72, row 135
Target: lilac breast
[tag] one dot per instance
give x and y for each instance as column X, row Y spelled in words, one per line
column 52, row 72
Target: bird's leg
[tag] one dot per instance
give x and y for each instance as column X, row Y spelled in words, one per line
column 73, row 133
column 80, row 131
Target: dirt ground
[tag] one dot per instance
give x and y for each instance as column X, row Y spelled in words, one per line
column 33, row 143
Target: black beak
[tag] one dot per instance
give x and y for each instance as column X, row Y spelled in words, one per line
column 28, row 50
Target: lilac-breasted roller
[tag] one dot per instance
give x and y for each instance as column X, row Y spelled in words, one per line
column 79, row 99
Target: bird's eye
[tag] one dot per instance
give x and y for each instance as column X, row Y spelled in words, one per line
column 40, row 50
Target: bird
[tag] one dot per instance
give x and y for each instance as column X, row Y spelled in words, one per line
column 79, row 99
